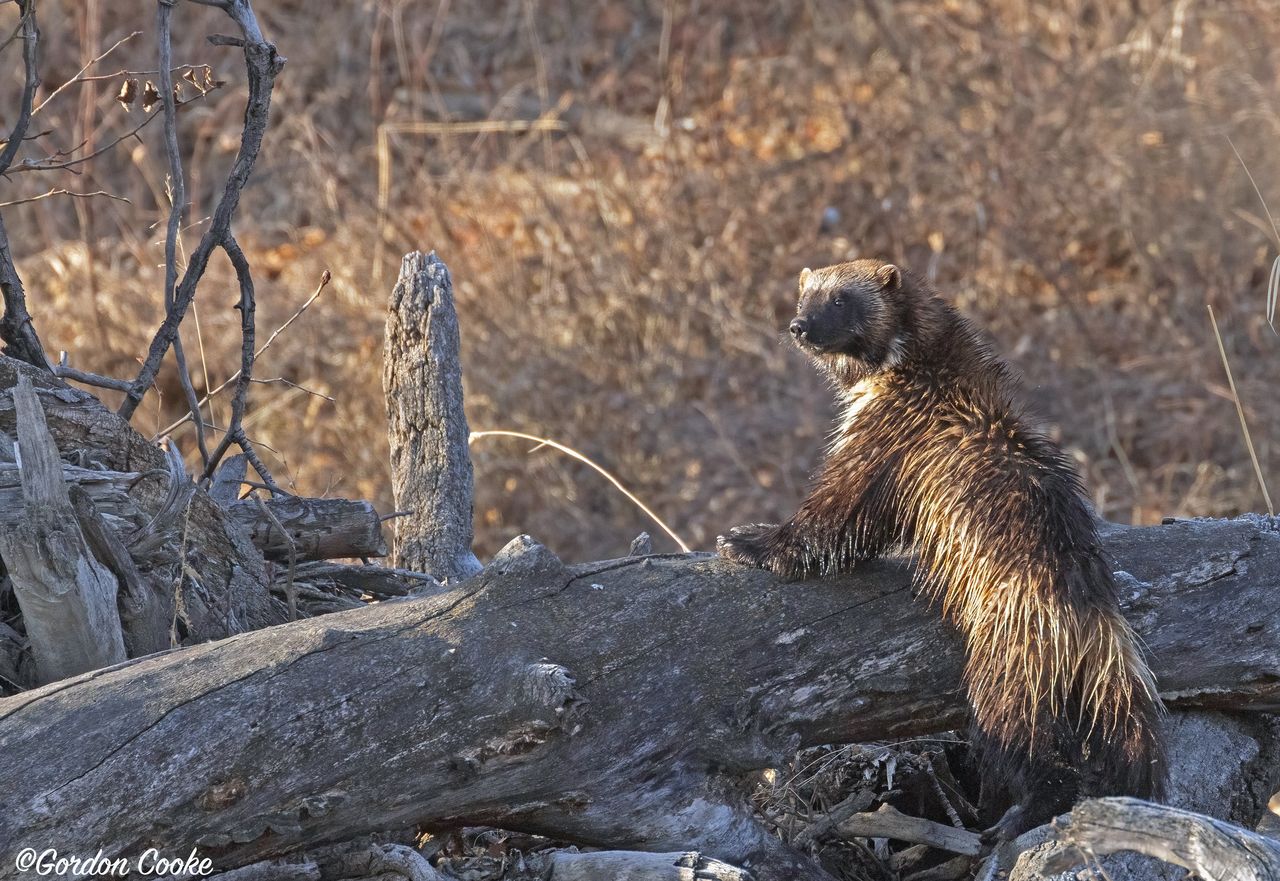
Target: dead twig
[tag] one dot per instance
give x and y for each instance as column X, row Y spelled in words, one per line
column 59, row 191
column 302, row 388
column 66, row 371
column 325, row 278
column 49, row 163
column 889, row 823
column 936, row 785
column 252, row 455
column 291, row 590
column 263, row 63
column 235, row 429
column 16, row 327
column 177, row 205
column 81, row 78
column 825, row 825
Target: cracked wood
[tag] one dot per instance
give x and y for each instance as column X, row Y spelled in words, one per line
column 610, row 704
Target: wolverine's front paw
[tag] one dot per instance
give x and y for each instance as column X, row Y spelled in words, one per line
column 747, row 545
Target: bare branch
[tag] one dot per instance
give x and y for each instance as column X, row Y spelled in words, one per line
column 59, row 191
column 302, row 388
column 890, row 823
column 80, row 77
column 65, row 371
column 49, row 163
column 263, row 64
column 16, row 328
column 325, row 278
column 31, row 60
column 248, row 331
column 177, row 205
column 252, row 455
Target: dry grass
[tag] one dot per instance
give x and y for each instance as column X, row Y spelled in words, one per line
column 1064, row 173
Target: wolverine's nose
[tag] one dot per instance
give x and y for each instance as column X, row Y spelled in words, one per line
column 799, row 328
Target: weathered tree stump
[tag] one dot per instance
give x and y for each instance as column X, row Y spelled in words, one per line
column 68, row 598
column 431, row 473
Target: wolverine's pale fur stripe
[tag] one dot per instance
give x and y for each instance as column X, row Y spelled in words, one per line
column 932, row 454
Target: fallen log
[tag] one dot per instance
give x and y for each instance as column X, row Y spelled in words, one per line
column 613, row 704
column 315, row 529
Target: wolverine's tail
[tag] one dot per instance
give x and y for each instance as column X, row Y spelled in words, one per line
column 1060, row 692
column 1119, row 712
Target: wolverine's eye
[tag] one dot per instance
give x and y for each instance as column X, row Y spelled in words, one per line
column 838, row 302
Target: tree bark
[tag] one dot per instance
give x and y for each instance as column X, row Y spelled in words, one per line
column 68, row 598
column 612, row 704
column 431, row 473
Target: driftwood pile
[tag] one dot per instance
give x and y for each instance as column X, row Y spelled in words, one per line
column 205, row 662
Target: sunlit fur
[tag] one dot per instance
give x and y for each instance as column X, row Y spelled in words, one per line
column 933, row 455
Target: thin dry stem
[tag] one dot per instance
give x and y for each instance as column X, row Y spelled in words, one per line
column 569, row 451
column 80, row 77
column 1244, row 425
column 59, row 191
column 177, row 206
column 325, row 278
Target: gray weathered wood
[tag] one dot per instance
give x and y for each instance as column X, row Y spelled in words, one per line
column 886, row 822
column 376, row 581
column 613, row 704
column 143, row 600
column 228, row 481
column 1220, row 765
column 319, row 529
column 224, row 585
column 621, row 865
column 68, row 598
column 431, row 472
column 109, row 490
column 1209, row 848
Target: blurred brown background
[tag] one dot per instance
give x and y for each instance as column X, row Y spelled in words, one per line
column 1061, row 170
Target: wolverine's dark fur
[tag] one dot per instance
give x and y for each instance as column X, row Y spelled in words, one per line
column 934, row 455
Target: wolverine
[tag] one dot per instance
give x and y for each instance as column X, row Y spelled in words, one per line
column 934, row 456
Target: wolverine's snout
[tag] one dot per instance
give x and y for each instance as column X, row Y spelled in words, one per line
column 799, row 328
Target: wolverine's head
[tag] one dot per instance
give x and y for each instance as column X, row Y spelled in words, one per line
column 849, row 315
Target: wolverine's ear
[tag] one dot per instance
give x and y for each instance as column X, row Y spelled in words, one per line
column 804, row 276
column 890, row 276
